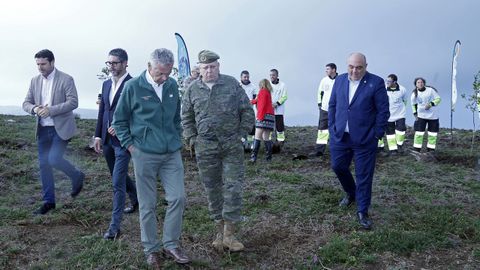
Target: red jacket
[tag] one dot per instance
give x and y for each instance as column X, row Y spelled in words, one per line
column 264, row 104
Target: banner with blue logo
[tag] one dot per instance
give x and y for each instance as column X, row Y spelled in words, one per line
column 183, row 60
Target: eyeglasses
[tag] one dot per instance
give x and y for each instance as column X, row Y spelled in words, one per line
column 109, row 64
column 388, row 81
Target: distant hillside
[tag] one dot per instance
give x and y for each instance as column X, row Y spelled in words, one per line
column 12, row 110
column 17, row 110
column 87, row 113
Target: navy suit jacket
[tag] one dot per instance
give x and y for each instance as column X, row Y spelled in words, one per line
column 367, row 114
column 106, row 110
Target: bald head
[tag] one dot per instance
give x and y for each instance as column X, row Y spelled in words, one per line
column 358, row 57
column 357, row 66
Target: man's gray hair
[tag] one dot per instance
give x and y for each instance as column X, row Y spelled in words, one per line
column 162, row 56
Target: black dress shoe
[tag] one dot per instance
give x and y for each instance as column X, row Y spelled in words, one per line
column 131, row 208
column 384, row 153
column 44, row 209
column 76, row 190
column 364, row 221
column 315, row 154
column 109, row 235
column 347, row 201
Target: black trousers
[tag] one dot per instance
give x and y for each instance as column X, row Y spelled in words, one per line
column 252, row 132
column 323, row 120
column 279, row 125
column 397, row 125
column 322, row 125
column 421, row 124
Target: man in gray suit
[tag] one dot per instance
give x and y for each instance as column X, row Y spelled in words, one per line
column 52, row 97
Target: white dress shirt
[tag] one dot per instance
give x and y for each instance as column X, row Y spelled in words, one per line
column 157, row 87
column 352, row 88
column 115, row 86
column 47, row 86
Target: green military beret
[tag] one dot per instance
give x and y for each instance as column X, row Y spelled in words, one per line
column 207, row 57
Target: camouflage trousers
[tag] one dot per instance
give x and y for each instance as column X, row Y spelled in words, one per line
column 222, row 172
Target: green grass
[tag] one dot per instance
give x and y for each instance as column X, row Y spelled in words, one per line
column 288, row 178
column 94, row 253
column 406, row 234
column 476, row 253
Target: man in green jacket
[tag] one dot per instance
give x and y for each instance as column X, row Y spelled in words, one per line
column 147, row 123
column 216, row 112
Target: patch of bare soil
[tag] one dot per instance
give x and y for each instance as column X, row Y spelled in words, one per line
column 460, row 160
column 455, row 258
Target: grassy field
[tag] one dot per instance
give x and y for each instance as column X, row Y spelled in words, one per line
column 426, row 214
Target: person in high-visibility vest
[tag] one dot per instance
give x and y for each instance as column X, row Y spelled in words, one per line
column 396, row 128
column 279, row 96
column 251, row 90
column 425, row 100
column 324, row 92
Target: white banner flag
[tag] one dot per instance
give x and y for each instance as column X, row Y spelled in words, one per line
column 456, row 50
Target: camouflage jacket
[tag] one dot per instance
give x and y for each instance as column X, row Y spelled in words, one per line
column 222, row 114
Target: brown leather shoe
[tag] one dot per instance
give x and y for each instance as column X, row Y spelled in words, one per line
column 153, row 260
column 177, row 254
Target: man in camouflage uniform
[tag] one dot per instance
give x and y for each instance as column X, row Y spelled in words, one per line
column 215, row 113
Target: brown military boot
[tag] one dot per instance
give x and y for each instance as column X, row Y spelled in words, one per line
column 218, row 242
column 229, row 240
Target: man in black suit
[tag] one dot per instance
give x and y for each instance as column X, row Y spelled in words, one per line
column 116, row 156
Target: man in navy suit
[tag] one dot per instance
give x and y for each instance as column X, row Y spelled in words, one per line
column 357, row 115
column 116, row 156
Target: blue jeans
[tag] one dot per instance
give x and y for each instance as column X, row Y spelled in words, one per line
column 117, row 160
column 50, row 155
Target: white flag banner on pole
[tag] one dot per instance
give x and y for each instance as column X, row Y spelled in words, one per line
column 456, row 51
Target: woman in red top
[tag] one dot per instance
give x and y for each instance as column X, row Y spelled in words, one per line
column 265, row 121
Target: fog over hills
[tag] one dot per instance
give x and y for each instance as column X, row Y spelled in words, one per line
column 17, row 110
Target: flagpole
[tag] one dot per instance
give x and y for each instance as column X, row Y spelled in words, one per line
column 451, row 96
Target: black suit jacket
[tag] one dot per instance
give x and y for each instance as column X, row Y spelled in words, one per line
column 106, row 110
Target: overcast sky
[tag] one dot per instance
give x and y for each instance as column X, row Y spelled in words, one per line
column 408, row 37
